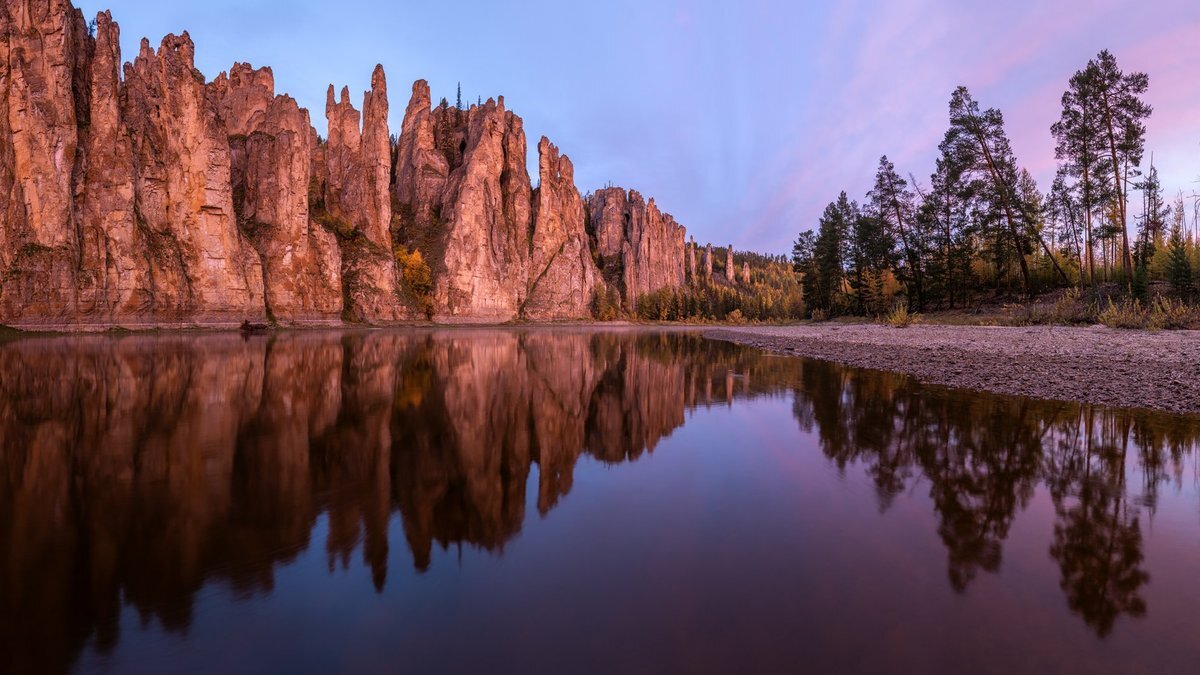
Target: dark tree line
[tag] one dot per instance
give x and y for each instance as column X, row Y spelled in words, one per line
column 983, row 224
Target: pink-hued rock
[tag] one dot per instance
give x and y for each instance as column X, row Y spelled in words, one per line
column 691, row 253
column 114, row 275
column 562, row 274
column 357, row 200
column 421, row 169
column 202, row 270
column 272, row 141
column 44, row 49
column 633, row 237
column 730, row 270
column 708, row 262
column 608, row 214
column 472, row 223
column 746, row 273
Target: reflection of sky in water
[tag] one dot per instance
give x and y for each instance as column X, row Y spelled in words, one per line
column 737, row 543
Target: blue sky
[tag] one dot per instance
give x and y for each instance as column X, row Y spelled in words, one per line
column 742, row 119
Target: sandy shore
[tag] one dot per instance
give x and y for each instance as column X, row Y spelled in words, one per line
column 1130, row 369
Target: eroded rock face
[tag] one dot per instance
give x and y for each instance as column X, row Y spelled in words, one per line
column 730, row 270
column 158, row 199
column 708, row 262
column 201, row 267
column 357, row 200
column 421, row 169
column 44, row 49
column 639, row 245
column 271, row 142
column 746, row 273
column 691, row 255
column 114, row 274
column 465, row 200
column 562, row 274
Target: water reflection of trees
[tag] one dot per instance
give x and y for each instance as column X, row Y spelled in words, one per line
column 982, row 456
column 135, row 470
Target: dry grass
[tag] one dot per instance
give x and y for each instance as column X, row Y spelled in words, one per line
column 900, row 317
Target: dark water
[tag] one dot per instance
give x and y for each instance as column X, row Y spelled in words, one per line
column 572, row 501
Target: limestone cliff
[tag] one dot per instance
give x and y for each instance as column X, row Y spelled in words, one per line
column 158, row 198
column 271, row 143
column 357, row 202
column 463, row 199
column 562, row 274
column 201, row 267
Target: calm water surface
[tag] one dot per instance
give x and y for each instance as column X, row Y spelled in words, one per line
column 572, row 501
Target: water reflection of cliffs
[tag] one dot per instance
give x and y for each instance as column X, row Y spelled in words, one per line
column 137, row 469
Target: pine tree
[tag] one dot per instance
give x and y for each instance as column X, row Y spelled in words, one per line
column 1179, row 267
column 458, row 100
column 978, row 144
column 1116, row 98
column 892, row 203
column 1079, row 148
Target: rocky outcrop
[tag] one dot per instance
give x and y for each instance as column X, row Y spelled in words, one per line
column 421, row 169
column 608, row 219
column 159, row 199
column 730, row 270
column 562, row 274
column 114, row 274
column 643, row 246
column 357, row 203
column 202, row 268
column 271, row 142
column 708, row 262
column 480, row 241
column 44, row 49
column 691, row 255
column 746, row 273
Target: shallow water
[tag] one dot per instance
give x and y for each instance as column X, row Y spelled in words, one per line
column 561, row 500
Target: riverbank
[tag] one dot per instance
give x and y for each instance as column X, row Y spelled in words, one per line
column 1129, row 369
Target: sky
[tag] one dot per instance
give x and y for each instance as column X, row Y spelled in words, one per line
column 742, row 119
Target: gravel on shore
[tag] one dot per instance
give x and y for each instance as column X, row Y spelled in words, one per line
column 1122, row 368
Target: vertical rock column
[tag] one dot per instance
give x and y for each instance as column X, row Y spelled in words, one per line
column 44, row 49
column 271, row 142
column 562, row 275
column 114, row 278
column 202, row 270
column 357, row 203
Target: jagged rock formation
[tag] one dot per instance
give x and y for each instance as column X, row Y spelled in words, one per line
column 730, row 270
column 271, row 142
column 357, row 201
column 160, row 199
column 201, row 266
column 746, row 273
column 562, row 274
column 691, row 253
column 643, row 245
column 465, row 200
column 708, row 262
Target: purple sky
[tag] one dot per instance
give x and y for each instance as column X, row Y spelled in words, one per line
column 742, row 119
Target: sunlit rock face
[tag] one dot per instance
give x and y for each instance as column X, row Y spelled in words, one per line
column 44, row 56
column 640, row 247
column 271, row 144
column 355, row 184
column 562, row 274
column 463, row 199
column 159, row 199
column 202, row 268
